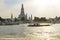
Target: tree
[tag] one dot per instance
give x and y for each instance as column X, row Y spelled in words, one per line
column 36, row 19
column 0, row 18
column 43, row 19
column 15, row 19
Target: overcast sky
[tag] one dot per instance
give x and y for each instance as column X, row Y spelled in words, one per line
column 39, row 8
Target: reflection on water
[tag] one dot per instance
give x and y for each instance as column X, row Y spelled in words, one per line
column 23, row 32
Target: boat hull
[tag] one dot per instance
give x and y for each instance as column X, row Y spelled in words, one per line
column 37, row 25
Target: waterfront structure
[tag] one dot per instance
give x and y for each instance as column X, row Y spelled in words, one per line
column 57, row 20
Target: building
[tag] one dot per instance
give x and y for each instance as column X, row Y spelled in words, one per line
column 22, row 16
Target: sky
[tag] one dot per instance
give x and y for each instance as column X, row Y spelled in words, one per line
column 38, row 8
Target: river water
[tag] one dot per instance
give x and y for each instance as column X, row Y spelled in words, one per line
column 23, row 32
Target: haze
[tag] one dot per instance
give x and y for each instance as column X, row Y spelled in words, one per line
column 39, row 8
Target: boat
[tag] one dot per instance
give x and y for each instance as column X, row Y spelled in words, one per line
column 37, row 25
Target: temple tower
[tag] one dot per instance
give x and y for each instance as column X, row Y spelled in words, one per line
column 22, row 16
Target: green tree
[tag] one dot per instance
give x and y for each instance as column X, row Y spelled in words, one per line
column 0, row 18
column 36, row 19
column 43, row 19
column 15, row 19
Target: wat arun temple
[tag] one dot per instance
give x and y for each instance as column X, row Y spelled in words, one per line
column 22, row 16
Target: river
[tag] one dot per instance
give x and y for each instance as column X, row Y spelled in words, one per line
column 23, row 32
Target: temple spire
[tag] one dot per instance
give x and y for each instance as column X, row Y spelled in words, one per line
column 22, row 5
column 22, row 15
column 11, row 16
column 31, row 16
